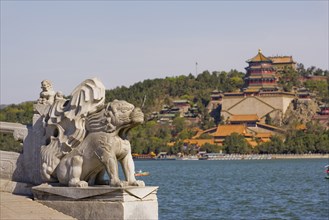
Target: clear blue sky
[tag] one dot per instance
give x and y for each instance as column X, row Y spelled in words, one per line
column 125, row 42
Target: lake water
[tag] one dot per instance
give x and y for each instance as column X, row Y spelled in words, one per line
column 244, row 189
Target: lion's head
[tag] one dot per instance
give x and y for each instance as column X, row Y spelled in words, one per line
column 123, row 113
column 118, row 115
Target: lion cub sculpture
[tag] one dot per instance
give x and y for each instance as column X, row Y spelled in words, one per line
column 84, row 139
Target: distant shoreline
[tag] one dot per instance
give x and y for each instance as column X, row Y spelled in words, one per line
column 300, row 156
column 242, row 157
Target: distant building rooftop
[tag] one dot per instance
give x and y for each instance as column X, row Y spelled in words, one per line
column 199, row 142
column 259, row 58
column 226, row 130
column 183, row 101
column 263, row 135
column 250, row 117
column 281, row 59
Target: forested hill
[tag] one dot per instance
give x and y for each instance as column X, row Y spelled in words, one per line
column 152, row 94
column 156, row 92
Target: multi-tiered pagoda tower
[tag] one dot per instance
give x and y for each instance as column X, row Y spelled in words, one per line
column 260, row 94
column 260, row 76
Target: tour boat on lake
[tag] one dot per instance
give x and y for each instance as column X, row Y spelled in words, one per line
column 142, row 173
column 327, row 171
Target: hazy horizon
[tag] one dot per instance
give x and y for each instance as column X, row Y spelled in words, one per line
column 125, row 42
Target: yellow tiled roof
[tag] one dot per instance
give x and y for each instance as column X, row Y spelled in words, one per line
column 203, row 132
column 252, row 143
column 264, row 140
column 301, row 127
column 251, row 117
column 226, row 130
column 199, row 142
column 281, row 59
column 259, row 58
column 197, row 131
column 254, row 89
column 263, row 135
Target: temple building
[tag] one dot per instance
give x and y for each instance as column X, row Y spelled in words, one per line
column 216, row 96
column 260, row 76
column 253, row 133
column 226, row 130
column 260, row 93
column 323, row 116
column 324, row 109
column 193, row 114
column 216, row 99
column 248, row 120
column 182, row 106
column 281, row 63
column 303, row 93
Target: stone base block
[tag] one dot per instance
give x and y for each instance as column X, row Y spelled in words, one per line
column 15, row 187
column 100, row 202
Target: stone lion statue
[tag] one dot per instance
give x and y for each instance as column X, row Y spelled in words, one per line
column 84, row 139
column 47, row 95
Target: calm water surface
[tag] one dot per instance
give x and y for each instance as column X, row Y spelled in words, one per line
column 244, row 189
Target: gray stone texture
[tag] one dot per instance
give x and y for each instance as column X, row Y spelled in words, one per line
column 101, row 202
column 17, row 207
column 12, row 167
column 17, row 188
column 275, row 106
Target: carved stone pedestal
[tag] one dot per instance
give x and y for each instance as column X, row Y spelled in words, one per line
column 100, row 202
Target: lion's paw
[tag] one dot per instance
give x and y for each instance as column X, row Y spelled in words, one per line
column 81, row 184
column 137, row 183
column 116, row 183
